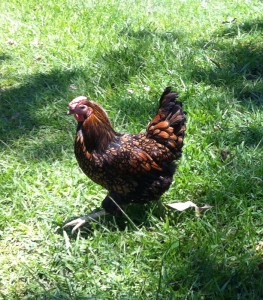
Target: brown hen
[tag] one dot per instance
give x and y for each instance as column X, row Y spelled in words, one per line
column 133, row 167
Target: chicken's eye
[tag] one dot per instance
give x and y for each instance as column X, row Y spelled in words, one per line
column 82, row 106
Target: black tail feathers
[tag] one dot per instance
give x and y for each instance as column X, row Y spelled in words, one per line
column 168, row 96
column 168, row 125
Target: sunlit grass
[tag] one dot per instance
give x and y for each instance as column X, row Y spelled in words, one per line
column 123, row 54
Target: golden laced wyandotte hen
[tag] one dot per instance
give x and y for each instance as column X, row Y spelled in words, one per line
column 134, row 168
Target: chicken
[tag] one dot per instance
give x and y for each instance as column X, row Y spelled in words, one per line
column 134, row 168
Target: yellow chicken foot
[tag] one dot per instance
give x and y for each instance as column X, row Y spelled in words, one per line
column 77, row 223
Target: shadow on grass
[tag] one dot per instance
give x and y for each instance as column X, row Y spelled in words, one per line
column 35, row 109
column 239, row 68
column 247, row 27
column 144, row 34
column 19, row 105
column 4, row 56
column 133, row 56
column 204, row 275
column 40, row 100
column 238, row 65
column 250, row 136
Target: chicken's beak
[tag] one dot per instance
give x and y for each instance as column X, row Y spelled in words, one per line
column 70, row 112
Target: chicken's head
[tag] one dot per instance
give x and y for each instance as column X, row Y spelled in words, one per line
column 80, row 108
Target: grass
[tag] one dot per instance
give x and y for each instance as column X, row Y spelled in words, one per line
column 209, row 51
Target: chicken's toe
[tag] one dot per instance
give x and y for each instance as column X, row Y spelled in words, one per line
column 77, row 223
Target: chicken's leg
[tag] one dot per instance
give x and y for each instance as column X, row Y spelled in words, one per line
column 77, row 223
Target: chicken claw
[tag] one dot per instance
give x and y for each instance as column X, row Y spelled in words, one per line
column 77, row 223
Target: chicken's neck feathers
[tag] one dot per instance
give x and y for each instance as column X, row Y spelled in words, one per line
column 95, row 135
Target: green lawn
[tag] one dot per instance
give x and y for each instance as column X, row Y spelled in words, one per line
column 123, row 54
